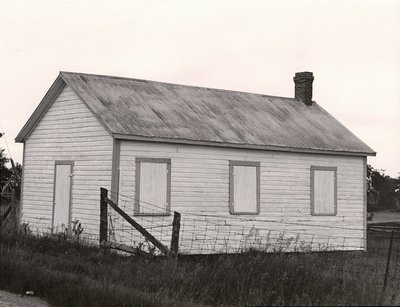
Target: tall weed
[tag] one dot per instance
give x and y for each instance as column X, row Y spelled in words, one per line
column 70, row 273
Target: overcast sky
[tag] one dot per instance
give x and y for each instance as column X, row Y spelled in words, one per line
column 352, row 47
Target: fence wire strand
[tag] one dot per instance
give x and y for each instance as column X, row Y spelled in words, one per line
column 219, row 234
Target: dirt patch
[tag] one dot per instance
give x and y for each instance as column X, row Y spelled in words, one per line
column 8, row 299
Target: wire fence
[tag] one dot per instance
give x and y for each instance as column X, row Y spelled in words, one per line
column 216, row 234
column 206, row 234
column 155, row 219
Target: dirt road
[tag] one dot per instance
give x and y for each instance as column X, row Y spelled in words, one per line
column 383, row 217
column 8, row 299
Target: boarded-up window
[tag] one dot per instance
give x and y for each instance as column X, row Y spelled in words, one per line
column 244, row 187
column 153, row 186
column 323, row 190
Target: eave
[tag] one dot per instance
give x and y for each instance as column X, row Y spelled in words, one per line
column 241, row 146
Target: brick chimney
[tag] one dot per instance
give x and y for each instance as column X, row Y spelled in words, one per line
column 303, row 86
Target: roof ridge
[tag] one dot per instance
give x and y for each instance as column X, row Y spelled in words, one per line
column 175, row 84
column 284, row 121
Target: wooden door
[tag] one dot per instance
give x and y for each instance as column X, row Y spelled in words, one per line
column 62, row 195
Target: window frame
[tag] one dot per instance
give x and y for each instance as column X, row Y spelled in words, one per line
column 232, row 164
column 138, row 161
column 312, row 181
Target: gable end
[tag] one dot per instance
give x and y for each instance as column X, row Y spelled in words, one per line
column 49, row 98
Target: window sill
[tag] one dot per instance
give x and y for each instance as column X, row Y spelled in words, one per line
column 244, row 213
column 152, row 214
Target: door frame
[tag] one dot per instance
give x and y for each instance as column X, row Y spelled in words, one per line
column 62, row 162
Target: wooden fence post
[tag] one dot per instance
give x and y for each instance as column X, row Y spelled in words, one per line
column 139, row 228
column 103, row 215
column 388, row 261
column 176, row 226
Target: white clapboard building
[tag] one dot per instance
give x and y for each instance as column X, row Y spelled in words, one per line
column 274, row 163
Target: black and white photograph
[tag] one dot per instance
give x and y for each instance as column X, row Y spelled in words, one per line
column 199, row 153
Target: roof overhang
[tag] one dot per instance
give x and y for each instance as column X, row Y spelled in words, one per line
column 240, row 146
column 41, row 109
column 45, row 104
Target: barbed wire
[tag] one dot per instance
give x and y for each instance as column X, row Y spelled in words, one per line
column 240, row 218
column 211, row 233
column 198, row 238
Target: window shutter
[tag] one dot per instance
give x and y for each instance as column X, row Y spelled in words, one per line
column 244, row 189
column 324, row 192
column 153, row 188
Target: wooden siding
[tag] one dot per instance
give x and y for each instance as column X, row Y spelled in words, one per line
column 67, row 131
column 200, row 185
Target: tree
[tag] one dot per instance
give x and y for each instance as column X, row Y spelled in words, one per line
column 383, row 191
column 7, row 176
column 5, row 172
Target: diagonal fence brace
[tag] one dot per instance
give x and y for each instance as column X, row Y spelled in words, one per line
column 104, row 198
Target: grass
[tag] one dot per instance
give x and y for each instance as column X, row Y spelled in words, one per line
column 71, row 274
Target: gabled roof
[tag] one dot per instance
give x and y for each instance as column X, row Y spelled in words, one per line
column 163, row 112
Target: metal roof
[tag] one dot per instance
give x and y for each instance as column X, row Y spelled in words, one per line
column 149, row 110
